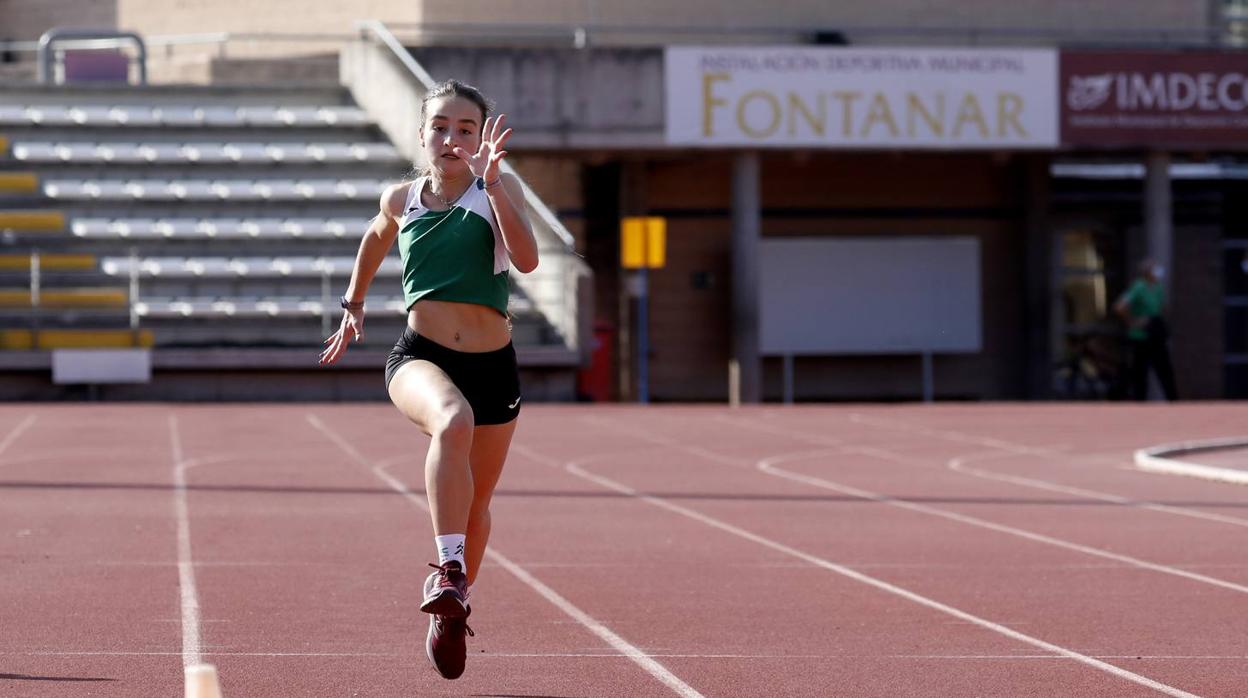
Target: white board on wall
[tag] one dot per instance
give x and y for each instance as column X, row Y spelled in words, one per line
column 893, row 295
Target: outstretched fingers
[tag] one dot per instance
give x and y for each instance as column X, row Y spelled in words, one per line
column 498, row 144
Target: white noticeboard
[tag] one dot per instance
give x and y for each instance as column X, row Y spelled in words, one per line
column 92, row 366
column 899, row 295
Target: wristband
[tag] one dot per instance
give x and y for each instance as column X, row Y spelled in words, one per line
column 491, row 185
column 350, row 305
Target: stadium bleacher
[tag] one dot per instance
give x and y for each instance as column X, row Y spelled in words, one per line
column 208, row 218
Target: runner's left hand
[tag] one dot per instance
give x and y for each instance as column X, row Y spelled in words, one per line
column 485, row 162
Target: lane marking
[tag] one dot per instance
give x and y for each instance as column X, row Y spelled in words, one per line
column 615, row 655
column 1154, row 459
column 573, row 468
column 768, row 466
column 189, row 598
column 652, row 667
column 957, row 464
column 16, row 432
column 192, row 641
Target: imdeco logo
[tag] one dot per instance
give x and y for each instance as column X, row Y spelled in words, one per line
column 1088, row 91
column 1167, row 92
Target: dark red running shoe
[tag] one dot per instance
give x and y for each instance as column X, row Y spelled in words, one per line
column 447, row 644
column 446, row 591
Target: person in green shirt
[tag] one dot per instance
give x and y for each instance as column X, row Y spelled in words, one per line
column 1142, row 306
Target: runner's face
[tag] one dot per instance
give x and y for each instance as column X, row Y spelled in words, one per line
column 450, row 122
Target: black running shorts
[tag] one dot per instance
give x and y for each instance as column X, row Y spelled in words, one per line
column 489, row 380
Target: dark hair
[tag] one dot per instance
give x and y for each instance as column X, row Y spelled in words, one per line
column 455, row 88
column 450, row 88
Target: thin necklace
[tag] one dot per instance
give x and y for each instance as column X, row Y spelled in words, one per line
column 437, row 196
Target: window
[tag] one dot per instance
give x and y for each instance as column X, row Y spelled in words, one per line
column 1235, row 22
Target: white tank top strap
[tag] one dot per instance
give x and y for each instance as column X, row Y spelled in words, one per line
column 413, row 195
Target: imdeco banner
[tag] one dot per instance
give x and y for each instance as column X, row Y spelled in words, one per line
column 861, row 98
column 1154, row 98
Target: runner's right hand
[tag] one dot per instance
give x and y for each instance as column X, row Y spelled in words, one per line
column 352, row 327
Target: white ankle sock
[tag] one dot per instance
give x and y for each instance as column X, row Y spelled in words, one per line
column 451, row 547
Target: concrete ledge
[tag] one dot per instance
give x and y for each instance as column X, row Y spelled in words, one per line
column 1158, row 459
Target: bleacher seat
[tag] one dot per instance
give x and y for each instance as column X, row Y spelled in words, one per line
column 250, row 307
column 36, row 152
column 260, row 116
column 133, row 116
column 206, row 153
column 224, row 228
column 279, row 189
column 90, row 116
column 261, row 227
column 12, row 115
column 119, row 153
column 234, row 267
column 177, row 116
column 50, row 115
column 246, row 152
column 291, row 153
column 330, row 152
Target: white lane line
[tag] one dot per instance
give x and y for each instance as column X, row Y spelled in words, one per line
column 769, row 466
column 652, row 667
column 186, row 567
column 16, row 432
column 1156, row 459
column 882, row 585
column 957, row 464
column 616, row 655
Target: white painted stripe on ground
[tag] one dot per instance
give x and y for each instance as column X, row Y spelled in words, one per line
column 16, row 432
column 1156, row 459
column 768, row 466
column 955, row 464
column 882, row 585
column 652, row 667
column 191, row 655
column 616, row 655
column 959, row 465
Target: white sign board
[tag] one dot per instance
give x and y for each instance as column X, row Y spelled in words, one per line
column 895, row 295
column 71, row 366
column 861, row 97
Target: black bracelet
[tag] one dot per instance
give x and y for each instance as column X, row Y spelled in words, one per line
column 350, row 305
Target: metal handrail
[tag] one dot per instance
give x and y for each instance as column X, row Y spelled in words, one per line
column 579, row 34
column 1211, row 34
column 52, row 36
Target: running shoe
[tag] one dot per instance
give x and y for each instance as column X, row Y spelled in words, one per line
column 447, row 644
column 446, row 591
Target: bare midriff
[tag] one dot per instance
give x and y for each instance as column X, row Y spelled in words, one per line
column 460, row 326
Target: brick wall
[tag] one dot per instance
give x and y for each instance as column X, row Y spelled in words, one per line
column 27, row 20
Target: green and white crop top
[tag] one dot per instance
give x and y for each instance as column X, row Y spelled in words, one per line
column 453, row 255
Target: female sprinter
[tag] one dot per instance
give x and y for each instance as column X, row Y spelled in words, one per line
column 453, row 372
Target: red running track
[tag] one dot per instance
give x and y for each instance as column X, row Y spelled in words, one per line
column 808, row 551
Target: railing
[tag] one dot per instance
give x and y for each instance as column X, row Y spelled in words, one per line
column 588, row 34
column 390, row 84
column 52, row 37
column 1227, row 29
